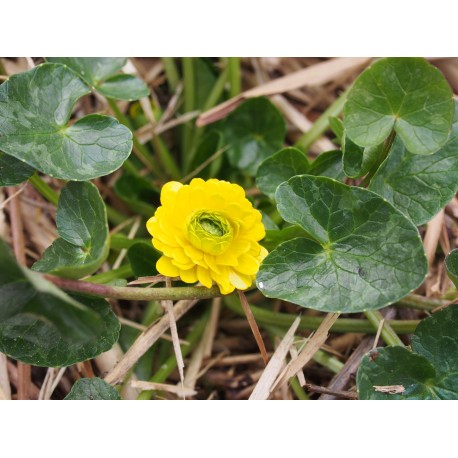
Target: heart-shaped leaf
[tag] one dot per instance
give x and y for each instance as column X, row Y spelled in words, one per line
column 82, row 225
column 136, row 192
column 101, row 73
column 35, row 108
column 366, row 254
column 43, row 326
column 143, row 258
column 253, row 132
column 419, row 186
column 280, row 167
column 408, row 95
column 13, row 171
column 92, row 389
column 429, row 372
column 357, row 161
column 451, row 263
column 328, row 164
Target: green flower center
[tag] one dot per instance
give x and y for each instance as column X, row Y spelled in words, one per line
column 210, row 232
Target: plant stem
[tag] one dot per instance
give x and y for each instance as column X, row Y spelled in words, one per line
column 234, row 75
column 139, row 147
column 52, row 196
column 298, row 390
column 322, row 123
column 44, row 189
column 212, row 100
column 121, row 241
column 188, row 106
column 328, row 361
column 388, row 334
column 134, row 293
column 420, row 303
column 106, row 277
column 171, row 72
column 169, row 366
column 342, row 325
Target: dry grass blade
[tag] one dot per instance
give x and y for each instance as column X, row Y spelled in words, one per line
column 168, row 306
column 312, row 346
column 314, row 75
column 253, row 326
column 264, row 386
column 178, row 390
column 432, row 235
column 5, row 388
column 145, row 340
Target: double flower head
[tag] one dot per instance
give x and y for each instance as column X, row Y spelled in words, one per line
column 208, row 231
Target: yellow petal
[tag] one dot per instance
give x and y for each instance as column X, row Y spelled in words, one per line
column 169, row 192
column 165, row 267
column 189, row 275
column 247, row 265
column 240, row 281
column 204, row 276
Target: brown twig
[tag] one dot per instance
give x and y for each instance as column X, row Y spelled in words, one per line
column 253, row 326
column 337, row 393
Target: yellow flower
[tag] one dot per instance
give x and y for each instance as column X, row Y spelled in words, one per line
column 208, row 231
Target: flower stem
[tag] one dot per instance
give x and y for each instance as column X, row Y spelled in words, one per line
column 105, row 277
column 44, row 189
column 322, row 123
column 141, row 149
column 171, row 72
column 388, row 334
column 134, row 293
column 234, row 75
column 342, row 325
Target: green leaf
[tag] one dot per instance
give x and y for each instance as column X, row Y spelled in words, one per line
column 143, row 258
column 92, row 389
column 43, row 326
column 136, row 192
column 207, row 147
column 92, row 70
column 419, row 186
column 274, row 237
column 124, row 87
column 35, row 108
column 328, row 164
column 82, row 225
column 429, row 372
column 357, row 161
column 254, row 131
column 13, row 171
column 451, row 263
column 408, row 95
column 337, row 127
column 101, row 73
column 280, row 167
column 366, row 254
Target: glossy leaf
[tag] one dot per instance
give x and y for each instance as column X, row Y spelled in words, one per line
column 430, row 371
column 92, row 389
column 274, row 237
column 124, row 87
column 337, row 127
column 13, row 171
column 101, row 73
column 43, row 326
column 253, row 132
column 137, row 192
column 143, row 258
column 82, row 225
column 419, row 186
column 35, row 108
column 408, row 95
column 280, row 167
column 366, row 254
column 328, row 164
column 451, row 263
column 358, row 161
